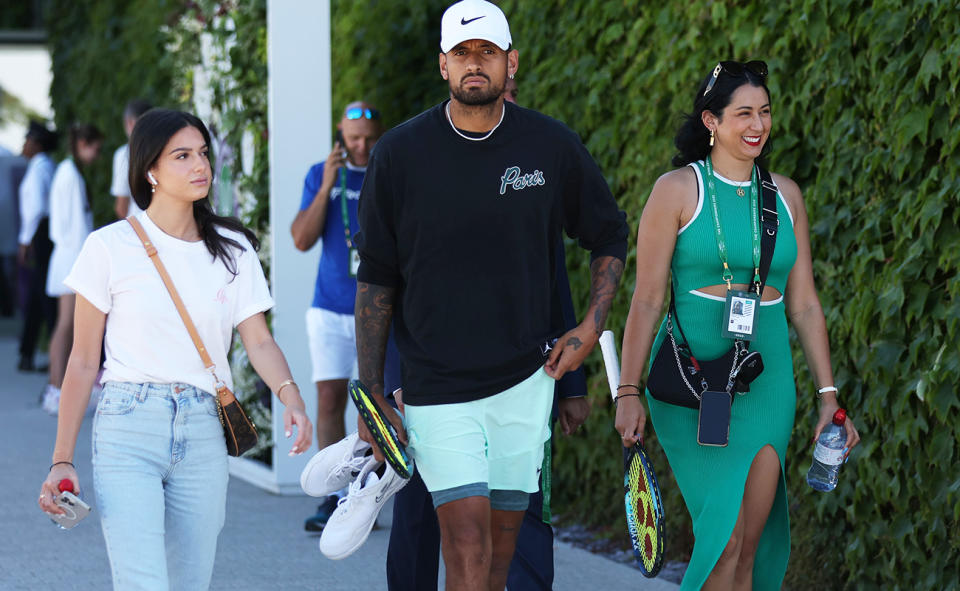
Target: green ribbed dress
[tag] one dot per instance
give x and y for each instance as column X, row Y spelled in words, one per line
column 712, row 478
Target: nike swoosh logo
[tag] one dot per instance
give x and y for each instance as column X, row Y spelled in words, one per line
column 464, row 21
column 378, row 498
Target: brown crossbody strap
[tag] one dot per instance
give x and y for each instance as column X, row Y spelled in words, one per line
column 191, row 328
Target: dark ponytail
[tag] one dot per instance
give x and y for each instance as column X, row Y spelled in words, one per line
column 150, row 135
column 693, row 137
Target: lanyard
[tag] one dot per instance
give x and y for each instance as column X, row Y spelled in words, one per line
column 343, row 207
column 755, row 218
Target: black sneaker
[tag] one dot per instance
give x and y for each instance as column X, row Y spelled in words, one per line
column 324, row 511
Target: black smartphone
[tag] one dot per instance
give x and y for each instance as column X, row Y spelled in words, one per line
column 714, row 425
column 343, row 145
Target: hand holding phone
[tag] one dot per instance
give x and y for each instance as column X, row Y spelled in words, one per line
column 343, row 145
column 74, row 509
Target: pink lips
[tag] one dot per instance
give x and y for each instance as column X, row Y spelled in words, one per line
column 199, row 182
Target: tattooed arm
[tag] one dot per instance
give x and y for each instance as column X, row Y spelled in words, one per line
column 373, row 311
column 574, row 346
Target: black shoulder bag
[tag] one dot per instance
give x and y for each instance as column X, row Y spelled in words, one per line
column 676, row 376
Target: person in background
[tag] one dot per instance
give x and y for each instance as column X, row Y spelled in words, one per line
column 34, row 239
column 120, row 185
column 328, row 214
column 159, row 457
column 12, row 168
column 71, row 220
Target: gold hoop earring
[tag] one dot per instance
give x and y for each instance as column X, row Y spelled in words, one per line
column 711, row 137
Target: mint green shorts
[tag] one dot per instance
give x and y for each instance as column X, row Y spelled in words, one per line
column 490, row 444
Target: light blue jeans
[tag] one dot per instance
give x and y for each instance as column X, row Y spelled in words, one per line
column 160, row 476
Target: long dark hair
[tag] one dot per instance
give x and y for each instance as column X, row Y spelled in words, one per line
column 693, row 138
column 151, row 133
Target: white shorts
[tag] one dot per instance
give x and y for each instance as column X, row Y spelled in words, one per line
column 333, row 345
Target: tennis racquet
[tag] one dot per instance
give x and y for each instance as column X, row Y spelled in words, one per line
column 641, row 493
column 383, row 432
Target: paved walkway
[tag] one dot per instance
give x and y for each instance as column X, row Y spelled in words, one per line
column 262, row 546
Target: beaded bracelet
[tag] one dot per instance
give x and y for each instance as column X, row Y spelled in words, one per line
column 62, row 462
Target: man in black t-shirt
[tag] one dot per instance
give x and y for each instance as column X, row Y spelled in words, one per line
column 461, row 215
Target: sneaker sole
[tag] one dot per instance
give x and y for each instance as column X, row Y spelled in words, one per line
column 353, row 548
column 366, row 534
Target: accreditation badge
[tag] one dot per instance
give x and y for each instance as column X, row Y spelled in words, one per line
column 354, row 261
column 740, row 315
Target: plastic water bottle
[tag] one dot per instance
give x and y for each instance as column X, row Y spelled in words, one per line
column 828, row 455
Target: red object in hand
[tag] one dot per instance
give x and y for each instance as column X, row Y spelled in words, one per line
column 839, row 417
column 65, row 485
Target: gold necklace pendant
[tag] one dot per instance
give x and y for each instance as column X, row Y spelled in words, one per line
column 741, row 192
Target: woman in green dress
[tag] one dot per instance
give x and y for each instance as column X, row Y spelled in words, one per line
column 736, row 495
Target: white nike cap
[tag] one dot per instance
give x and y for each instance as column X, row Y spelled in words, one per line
column 474, row 19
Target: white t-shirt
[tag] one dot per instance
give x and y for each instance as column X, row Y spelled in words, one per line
column 145, row 338
column 71, row 220
column 120, row 184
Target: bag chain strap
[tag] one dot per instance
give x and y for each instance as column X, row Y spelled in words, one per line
column 740, row 348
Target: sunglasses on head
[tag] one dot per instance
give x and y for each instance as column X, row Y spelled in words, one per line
column 737, row 69
column 361, row 113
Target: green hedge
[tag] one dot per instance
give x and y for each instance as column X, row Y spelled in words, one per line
column 105, row 53
column 385, row 52
column 863, row 123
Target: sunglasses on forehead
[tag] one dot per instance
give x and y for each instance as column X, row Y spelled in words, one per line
column 737, row 69
column 360, row 113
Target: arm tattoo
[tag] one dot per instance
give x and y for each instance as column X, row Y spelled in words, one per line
column 373, row 312
column 574, row 342
column 605, row 275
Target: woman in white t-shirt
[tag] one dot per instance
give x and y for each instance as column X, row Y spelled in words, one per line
column 159, row 457
column 71, row 220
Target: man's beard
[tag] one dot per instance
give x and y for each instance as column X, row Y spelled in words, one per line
column 478, row 97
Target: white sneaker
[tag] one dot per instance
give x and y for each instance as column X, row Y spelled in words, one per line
column 335, row 466
column 348, row 527
column 51, row 399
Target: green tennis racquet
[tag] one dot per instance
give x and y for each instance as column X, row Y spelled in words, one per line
column 641, row 493
column 383, row 432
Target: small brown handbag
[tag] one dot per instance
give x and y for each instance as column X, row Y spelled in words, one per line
column 238, row 431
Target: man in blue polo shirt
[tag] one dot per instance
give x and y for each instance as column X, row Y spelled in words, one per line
column 328, row 212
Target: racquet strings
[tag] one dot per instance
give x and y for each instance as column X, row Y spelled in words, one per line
column 644, row 512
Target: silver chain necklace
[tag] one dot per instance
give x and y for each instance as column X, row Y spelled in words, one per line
column 467, row 137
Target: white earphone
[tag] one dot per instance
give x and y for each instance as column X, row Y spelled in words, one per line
column 150, row 176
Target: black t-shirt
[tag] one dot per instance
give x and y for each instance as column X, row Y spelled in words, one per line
column 468, row 232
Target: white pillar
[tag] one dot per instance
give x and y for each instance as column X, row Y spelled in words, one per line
column 298, row 60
